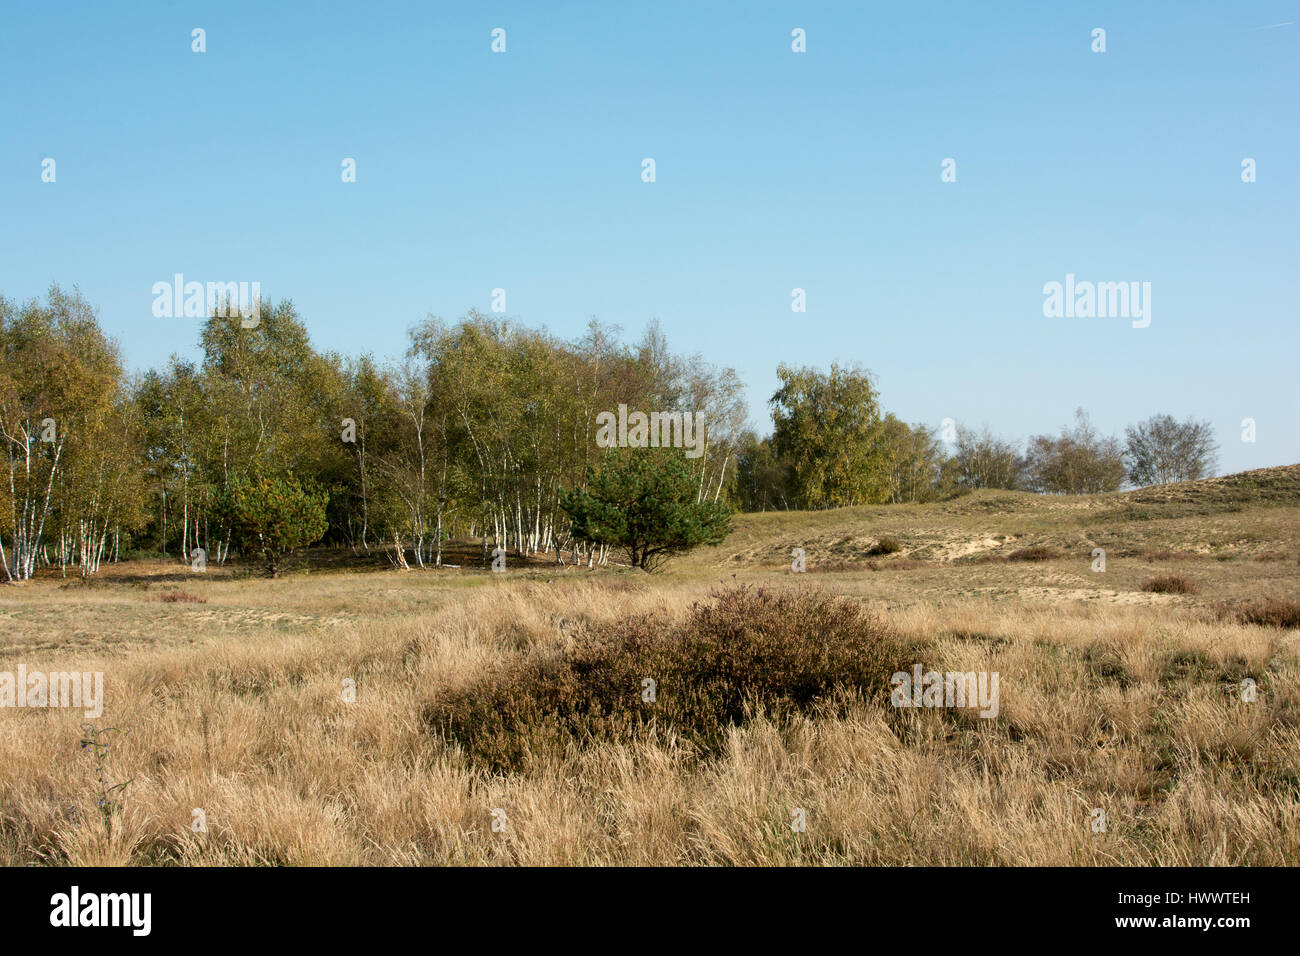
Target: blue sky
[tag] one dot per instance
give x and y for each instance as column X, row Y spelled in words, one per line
column 775, row 170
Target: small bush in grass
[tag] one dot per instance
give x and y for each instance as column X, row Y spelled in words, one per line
column 883, row 546
column 178, row 597
column 1271, row 612
column 1171, row 584
column 1037, row 552
column 774, row 652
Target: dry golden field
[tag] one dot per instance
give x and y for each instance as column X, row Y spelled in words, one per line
column 226, row 694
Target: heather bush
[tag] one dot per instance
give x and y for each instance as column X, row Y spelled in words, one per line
column 1036, row 552
column 748, row 651
column 1171, row 584
column 1271, row 612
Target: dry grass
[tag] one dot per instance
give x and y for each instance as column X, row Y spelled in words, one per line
column 1110, row 698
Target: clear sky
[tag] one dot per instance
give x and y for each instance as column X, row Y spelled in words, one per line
column 774, row 170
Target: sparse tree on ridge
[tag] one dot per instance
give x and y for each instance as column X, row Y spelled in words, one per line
column 1078, row 461
column 915, row 460
column 1161, row 450
column 982, row 460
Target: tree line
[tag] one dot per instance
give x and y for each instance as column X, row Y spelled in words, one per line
column 483, row 430
column 475, row 433
column 832, row 445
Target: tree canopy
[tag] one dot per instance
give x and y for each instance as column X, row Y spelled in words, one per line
column 828, row 427
column 483, row 430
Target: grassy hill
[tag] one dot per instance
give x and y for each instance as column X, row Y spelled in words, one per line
column 1237, row 517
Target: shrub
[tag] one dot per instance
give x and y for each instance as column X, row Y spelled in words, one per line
column 1271, row 612
column 1037, row 552
column 748, row 651
column 1171, row 584
column 178, row 597
column 884, row 545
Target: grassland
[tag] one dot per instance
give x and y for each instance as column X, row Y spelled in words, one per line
column 1113, row 697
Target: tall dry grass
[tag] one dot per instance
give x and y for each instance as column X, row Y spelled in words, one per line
column 1136, row 710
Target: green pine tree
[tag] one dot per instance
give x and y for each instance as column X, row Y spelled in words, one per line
column 272, row 517
column 646, row 502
